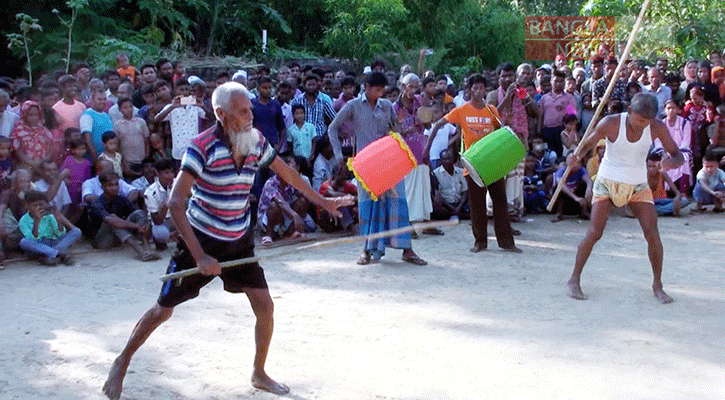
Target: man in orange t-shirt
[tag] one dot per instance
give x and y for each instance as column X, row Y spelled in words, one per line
column 477, row 119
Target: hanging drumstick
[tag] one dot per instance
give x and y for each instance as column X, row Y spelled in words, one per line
column 332, row 242
column 600, row 107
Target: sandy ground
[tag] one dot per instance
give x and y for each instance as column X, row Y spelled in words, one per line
column 488, row 326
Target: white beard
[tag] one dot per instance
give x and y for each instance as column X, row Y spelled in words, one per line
column 244, row 143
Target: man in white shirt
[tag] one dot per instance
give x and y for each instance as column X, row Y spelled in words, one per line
column 450, row 191
column 184, row 120
column 7, row 117
column 92, row 188
column 156, row 199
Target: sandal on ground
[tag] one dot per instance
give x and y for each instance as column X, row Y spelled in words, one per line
column 433, row 231
column 415, row 260
column 150, row 256
column 267, row 240
column 365, row 259
column 298, row 235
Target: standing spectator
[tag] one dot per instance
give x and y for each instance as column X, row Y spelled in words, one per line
column 125, row 91
column 184, row 119
column 554, row 106
column 148, row 77
column 79, row 167
column 68, row 108
column 301, row 135
column 7, row 117
column 113, row 82
column 82, row 73
column 659, row 89
column 94, row 122
column 110, row 151
column 318, row 112
column 268, row 117
column 347, row 136
column 284, row 95
column 619, row 91
column 133, row 133
column 32, row 141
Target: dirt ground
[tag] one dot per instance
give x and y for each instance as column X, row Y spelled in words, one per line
column 492, row 325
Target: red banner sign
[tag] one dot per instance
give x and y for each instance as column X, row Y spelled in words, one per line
column 571, row 37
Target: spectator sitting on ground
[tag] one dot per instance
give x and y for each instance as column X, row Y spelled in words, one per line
column 92, row 188
column 47, row 233
column 114, row 220
column 155, row 199
column 657, row 179
column 282, row 210
column 710, row 186
column 148, row 173
column 535, row 200
column 52, row 185
column 576, row 195
column 338, row 185
column 324, row 162
column 12, row 208
column 450, row 191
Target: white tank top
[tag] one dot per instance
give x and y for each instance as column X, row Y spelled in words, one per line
column 623, row 160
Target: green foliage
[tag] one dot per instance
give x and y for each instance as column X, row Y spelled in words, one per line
column 19, row 42
column 677, row 29
column 363, row 29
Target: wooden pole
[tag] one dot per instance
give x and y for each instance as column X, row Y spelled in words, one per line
column 372, row 236
column 600, row 107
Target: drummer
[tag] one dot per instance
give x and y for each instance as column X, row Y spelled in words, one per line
column 477, row 119
column 373, row 117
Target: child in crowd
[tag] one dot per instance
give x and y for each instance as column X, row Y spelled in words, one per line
column 545, row 158
column 156, row 199
column 596, row 159
column 133, row 133
column 699, row 113
column 6, row 166
column 148, row 174
column 110, row 152
column 324, row 162
column 282, row 210
column 158, row 150
column 535, row 200
column 338, row 186
column 441, row 140
column 657, row 180
column 79, row 167
column 570, row 135
column 681, row 131
column 125, row 69
column 710, row 186
column 716, row 131
column 114, row 220
column 47, row 233
column 576, row 194
column 301, row 135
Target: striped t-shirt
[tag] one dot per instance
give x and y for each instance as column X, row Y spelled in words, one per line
column 219, row 204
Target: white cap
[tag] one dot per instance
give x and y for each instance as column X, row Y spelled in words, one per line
column 193, row 80
column 239, row 74
column 367, row 69
column 449, row 81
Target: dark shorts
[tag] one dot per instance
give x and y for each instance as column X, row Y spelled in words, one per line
column 177, row 291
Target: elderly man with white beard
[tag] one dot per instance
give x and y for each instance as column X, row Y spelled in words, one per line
column 217, row 171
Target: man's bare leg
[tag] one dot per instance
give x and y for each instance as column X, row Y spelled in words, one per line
column 600, row 213
column 647, row 216
column 147, row 324
column 263, row 308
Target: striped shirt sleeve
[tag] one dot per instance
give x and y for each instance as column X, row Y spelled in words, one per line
column 193, row 161
column 267, row 156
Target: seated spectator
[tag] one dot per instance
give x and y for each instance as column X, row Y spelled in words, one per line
column 110, row 151
column 47, row 233
column 114, row 220
column 148, row 173
column 282, row 210
column 657, row 180
column 710, row 186
column 155, row 199
column 12, row 208
column 337, row 186
column 32, row 141
column 450, row 191
column 576, row 195
column 444, row 135
column 52, row 185
column 92, row 188
column 6, row 165
column 716, row 131
column 158, row 150
column 545, row 158
column 79, row 168
column 324, row 162
column 535, row 200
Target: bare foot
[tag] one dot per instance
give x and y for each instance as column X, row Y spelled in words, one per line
column 478, row 247
column 262, row 381
column 663, row 297
column 575, row 291
column 114, row 384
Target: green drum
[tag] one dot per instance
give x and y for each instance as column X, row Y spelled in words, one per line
column 494, row 156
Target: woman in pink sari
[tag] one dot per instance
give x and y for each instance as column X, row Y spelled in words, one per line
column 32, row 141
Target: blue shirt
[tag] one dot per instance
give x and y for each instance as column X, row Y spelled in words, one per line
column 301, row 139
column 268, row 119
column 316, row 113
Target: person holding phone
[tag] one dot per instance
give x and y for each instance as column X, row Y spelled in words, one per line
column 184, row 117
